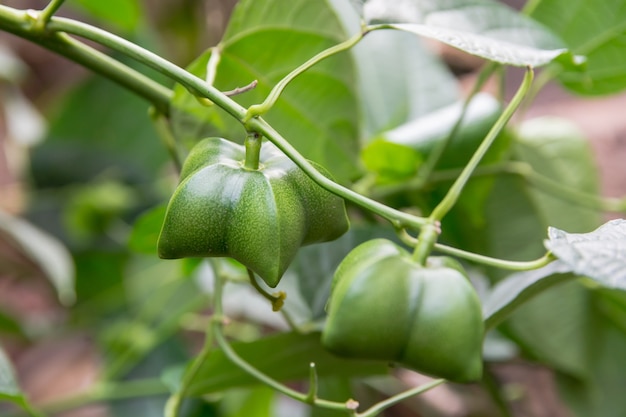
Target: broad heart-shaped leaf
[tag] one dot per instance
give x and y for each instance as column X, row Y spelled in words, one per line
column 395, row 155
column 405, row 82
column 265, row 41
column 143, row 238
column 124, row 14
column 599, row 255
column 44, row 251
column 284, row 357
column 315, row 265
column 518, row 288
column 556, row 149
column 592, row 28
column 553, row 328
column 484, row 28
column 401, row 83
column 601, row 393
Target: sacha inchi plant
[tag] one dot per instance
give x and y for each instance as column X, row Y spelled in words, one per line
column 330, row 123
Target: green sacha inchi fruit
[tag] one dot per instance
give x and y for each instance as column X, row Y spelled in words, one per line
column 259, row 217
column 385, row 306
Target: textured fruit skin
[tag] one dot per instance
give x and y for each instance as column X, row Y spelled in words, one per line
column 258, row 217
column 385, row 306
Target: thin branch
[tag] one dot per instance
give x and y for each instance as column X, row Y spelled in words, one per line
column 430, row 233
column 104, row 392
column 13, row 21
column 455, row 191
column 260, row 109
column 391, row 401
column 196, row 85
column 47, row 13
column 241, row 90
column 398, row 218
column 230, row 353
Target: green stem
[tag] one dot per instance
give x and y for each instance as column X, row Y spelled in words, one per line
column 430, row 232
column 172, row 407
column 196, row 85
column 277, row 300
column 253, row 151
column 548, row 73
column 164, row 131
column 425, row 242
column 481, row 259
column 105, row 392
column 202, row 88
column 47, row 13
column 495, row 262
column 391, row 401
column 349, row 406
column 313, row 384
column 434, row 157
column 17, row 23
column 260, row 109
column 29, row 409
column 161, row 331
column 453, row 194
column 398, row 218
column 530, row 7
column 241, row 363
column 555, row 188
column 493, row 387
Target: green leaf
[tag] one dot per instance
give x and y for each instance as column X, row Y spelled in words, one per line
column 315, row 265
column 48, row 254
column 100, row 285
column 399, row 84
column 518, row 288
column 256, row 401
column 484, row 28
column 317, row 112
column 601, row 392
column 157, row 296
column 390, row 161
column 125, row 14
column 592, row 28
column 92, row 209
column 425, row 133
column 599, row 255
column 9, row 325
column 556, row 149
column 284, row 357
column 145, row 233
column 109, row 137
column 553, row 328
column 613, row 305
column 9, row 390
column 514, row 228
column 333, row 389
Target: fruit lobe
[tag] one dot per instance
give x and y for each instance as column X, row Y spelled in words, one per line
column 385, row 306
column 258, row 217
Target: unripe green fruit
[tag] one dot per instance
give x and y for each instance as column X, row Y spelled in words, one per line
column 385, row 306
column 258, row 217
